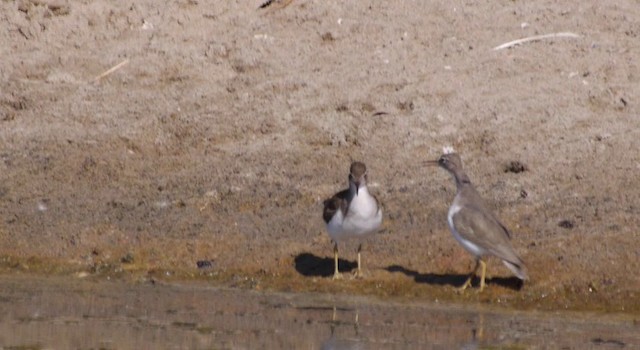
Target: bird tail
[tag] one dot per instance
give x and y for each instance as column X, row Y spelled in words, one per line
column 518, row 269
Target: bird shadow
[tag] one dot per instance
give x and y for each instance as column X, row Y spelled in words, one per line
column 455, row 280
column 310, row 265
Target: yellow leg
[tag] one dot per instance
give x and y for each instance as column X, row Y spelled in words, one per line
column 483, row 273
column 336, row 273
column 356, row 325
column 467, row 283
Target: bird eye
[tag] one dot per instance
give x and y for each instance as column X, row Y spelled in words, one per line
column 442, row 160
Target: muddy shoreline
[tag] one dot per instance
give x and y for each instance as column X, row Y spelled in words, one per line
column 55, row 312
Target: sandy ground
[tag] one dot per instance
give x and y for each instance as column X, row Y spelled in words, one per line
column 225, row 126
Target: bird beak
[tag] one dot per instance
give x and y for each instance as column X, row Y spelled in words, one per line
column 356, row 182
column 431, row 163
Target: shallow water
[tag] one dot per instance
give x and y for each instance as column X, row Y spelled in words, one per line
column 54, row 313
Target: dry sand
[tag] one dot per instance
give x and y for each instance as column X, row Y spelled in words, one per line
column 225, row 125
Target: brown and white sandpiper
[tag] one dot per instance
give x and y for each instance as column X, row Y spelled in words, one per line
column 352, row 213
column 473, row 225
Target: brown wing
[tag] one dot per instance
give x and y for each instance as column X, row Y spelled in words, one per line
column 484, row 230
column 338, row 202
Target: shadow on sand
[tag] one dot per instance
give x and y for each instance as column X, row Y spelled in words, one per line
column 455, row 280
column 310, row 265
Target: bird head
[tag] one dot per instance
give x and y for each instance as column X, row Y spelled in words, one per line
column 358, row 175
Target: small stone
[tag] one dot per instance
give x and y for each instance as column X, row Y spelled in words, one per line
column 204, row 264
column 515, row 167
column 127, row 259
column 568, row 224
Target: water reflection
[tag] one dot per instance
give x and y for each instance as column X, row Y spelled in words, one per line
column 477, row 332
column 341, row 340
column 71, row 313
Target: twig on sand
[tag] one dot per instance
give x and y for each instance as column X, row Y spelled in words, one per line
column 536, row 38
column 278, row 4
column 111, row 70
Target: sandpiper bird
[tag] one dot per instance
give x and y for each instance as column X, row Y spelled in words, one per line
column 473, row 225
column 352, row 213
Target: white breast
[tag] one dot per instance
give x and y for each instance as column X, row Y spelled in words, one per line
column 364, row 217
column 334, row 226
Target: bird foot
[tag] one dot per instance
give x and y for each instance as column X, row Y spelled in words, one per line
column 466, row 284
column 462, row 288
column 337, row 276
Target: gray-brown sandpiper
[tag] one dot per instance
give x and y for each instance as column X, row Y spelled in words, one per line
column 474, row 225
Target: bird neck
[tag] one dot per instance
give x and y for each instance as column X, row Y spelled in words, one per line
column 362, row 191
column 462, row 180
